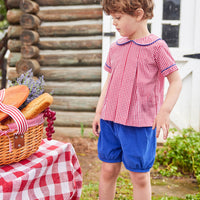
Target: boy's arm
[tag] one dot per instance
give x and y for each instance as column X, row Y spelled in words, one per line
column 162, row 119
column 96, row 121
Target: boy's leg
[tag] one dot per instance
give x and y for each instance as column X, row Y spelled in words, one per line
column 141, row 185
column 139, row 149
column 108, row 177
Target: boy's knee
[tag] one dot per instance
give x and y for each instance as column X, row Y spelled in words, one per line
column 140, row 179
column 110, row 170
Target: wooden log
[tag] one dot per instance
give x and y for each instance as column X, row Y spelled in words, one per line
column 65, row 2
column 29, row 21
column 29, row 51
column 71, row 103
column 14, row 31
column 13, row 4
column 14, row 45
column 86, row 59
column 13, row 58
column 28, row 6
column 77, row 88
column 70, row 74
column 24, row 65
column 16, row 3
column 70, row 59
column 74, row 119
column 70, row 30
column 14, row 15
column 68, row 15
column 29, row 37
column 70, row 44
column 12, row 73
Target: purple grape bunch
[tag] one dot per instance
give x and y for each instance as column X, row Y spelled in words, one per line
column 51, row 117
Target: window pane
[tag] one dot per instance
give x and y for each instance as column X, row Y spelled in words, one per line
column 171, row 35
column 171, row 10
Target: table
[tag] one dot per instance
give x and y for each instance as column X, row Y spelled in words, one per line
column 52, row 173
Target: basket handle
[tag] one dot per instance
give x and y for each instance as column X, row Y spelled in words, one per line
column 15, row 113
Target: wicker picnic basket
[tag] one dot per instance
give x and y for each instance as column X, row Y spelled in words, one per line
column 21, row 134
column 32, row 140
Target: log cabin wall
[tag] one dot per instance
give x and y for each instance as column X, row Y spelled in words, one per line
column 61, row 39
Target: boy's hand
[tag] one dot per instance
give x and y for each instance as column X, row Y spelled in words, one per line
column 96, row 125
column 162, row 119
column 162, row 122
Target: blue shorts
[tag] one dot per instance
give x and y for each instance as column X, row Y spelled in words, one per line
column 134, row 146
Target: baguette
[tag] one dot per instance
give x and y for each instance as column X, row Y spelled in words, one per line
column 34, row 108
column 37, row 106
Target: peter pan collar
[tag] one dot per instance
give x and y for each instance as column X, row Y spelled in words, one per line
column 146, row 41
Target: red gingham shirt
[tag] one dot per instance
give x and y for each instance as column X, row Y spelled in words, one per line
column 136, row 87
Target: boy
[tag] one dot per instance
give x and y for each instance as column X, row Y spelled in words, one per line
column 131, row 111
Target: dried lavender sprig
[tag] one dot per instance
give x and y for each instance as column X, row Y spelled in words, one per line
column 36, row 87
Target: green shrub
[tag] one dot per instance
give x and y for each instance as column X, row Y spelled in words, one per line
column 3, row 11
column 193, row 197
column 2, row 8
column 180, row 155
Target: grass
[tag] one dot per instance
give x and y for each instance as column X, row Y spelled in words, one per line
column 90, row 191
column 124, row 191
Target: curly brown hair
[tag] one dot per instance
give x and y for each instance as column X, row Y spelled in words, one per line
column 129, row 7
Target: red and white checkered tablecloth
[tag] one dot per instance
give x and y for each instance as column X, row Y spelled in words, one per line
column 52, row 173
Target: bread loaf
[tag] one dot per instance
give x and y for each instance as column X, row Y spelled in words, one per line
column 35, row 107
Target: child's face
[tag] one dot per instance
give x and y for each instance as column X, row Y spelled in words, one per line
column 126, row 25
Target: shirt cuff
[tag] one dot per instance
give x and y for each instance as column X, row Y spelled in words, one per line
column 107, row 68
column 169, row 70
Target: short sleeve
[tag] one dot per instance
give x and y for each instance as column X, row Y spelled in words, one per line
column 107, row 65
column 164, row 59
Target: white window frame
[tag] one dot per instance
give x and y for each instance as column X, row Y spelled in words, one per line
column 189, row 40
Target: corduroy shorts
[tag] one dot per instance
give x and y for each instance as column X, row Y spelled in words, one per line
column 134, row 146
